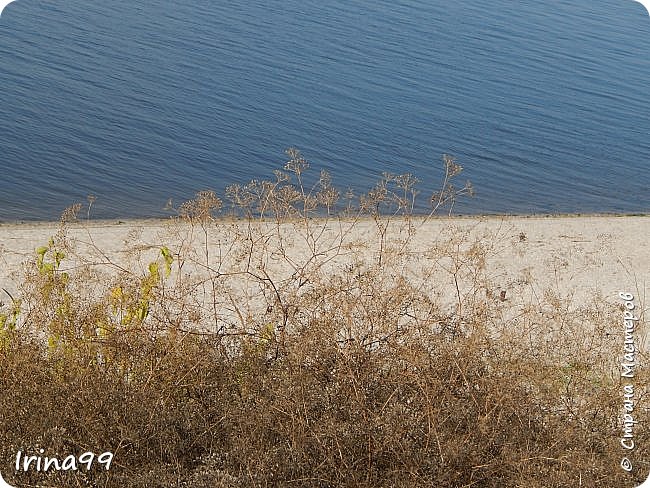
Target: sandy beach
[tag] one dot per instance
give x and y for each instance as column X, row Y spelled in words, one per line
column 573, row 255
column 541, row 292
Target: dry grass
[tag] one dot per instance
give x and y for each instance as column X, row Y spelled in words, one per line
column 296, row 355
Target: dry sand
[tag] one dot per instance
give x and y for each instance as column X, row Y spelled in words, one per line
column 574, row 256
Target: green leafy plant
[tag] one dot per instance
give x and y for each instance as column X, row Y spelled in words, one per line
column 9, row 320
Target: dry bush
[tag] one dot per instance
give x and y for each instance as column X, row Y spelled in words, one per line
column 289, row 335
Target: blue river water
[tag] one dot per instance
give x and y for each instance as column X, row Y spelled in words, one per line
column 546, row 105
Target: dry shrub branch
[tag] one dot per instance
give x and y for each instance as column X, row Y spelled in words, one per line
column 289, row 334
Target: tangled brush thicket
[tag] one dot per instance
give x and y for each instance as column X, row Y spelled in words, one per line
column 289, row 334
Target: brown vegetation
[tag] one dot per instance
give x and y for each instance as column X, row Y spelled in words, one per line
column 300, row 355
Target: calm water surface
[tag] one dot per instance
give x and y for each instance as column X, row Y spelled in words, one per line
column 545, row 104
